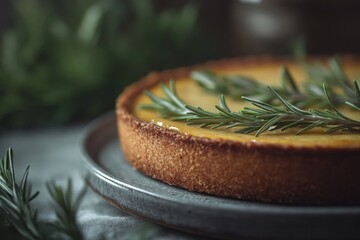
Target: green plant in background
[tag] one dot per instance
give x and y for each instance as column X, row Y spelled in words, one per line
column 68, row 60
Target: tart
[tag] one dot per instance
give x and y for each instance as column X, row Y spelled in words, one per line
column 276, row 167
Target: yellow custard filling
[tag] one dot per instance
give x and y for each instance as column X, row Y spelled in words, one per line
column 194, row 95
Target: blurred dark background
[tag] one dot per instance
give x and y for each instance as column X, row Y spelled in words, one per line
column 67, row 61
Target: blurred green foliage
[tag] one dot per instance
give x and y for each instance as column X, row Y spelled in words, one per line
column 68, row 60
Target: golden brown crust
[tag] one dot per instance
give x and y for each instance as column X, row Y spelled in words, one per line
column 250, row 171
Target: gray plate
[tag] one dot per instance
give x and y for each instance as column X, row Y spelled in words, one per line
column 110, row 175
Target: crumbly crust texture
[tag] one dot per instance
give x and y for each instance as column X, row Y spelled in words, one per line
column 248, row 171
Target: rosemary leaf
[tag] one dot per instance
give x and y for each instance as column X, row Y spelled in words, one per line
column 287, row 79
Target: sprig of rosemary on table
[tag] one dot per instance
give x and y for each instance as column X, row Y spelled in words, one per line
column 258, row 119
column 310, row 94
column 66, row 209
column 15, row 202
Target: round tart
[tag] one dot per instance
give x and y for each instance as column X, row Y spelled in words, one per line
column 278, row 167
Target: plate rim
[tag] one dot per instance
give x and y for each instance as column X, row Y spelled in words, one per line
column 245, row 207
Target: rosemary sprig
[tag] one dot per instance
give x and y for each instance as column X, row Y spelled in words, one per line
column 310, row 94
column 258, row 119
column 66, row 209
column 15, row 199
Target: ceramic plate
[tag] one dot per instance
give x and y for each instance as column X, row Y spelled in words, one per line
column 111, row 176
